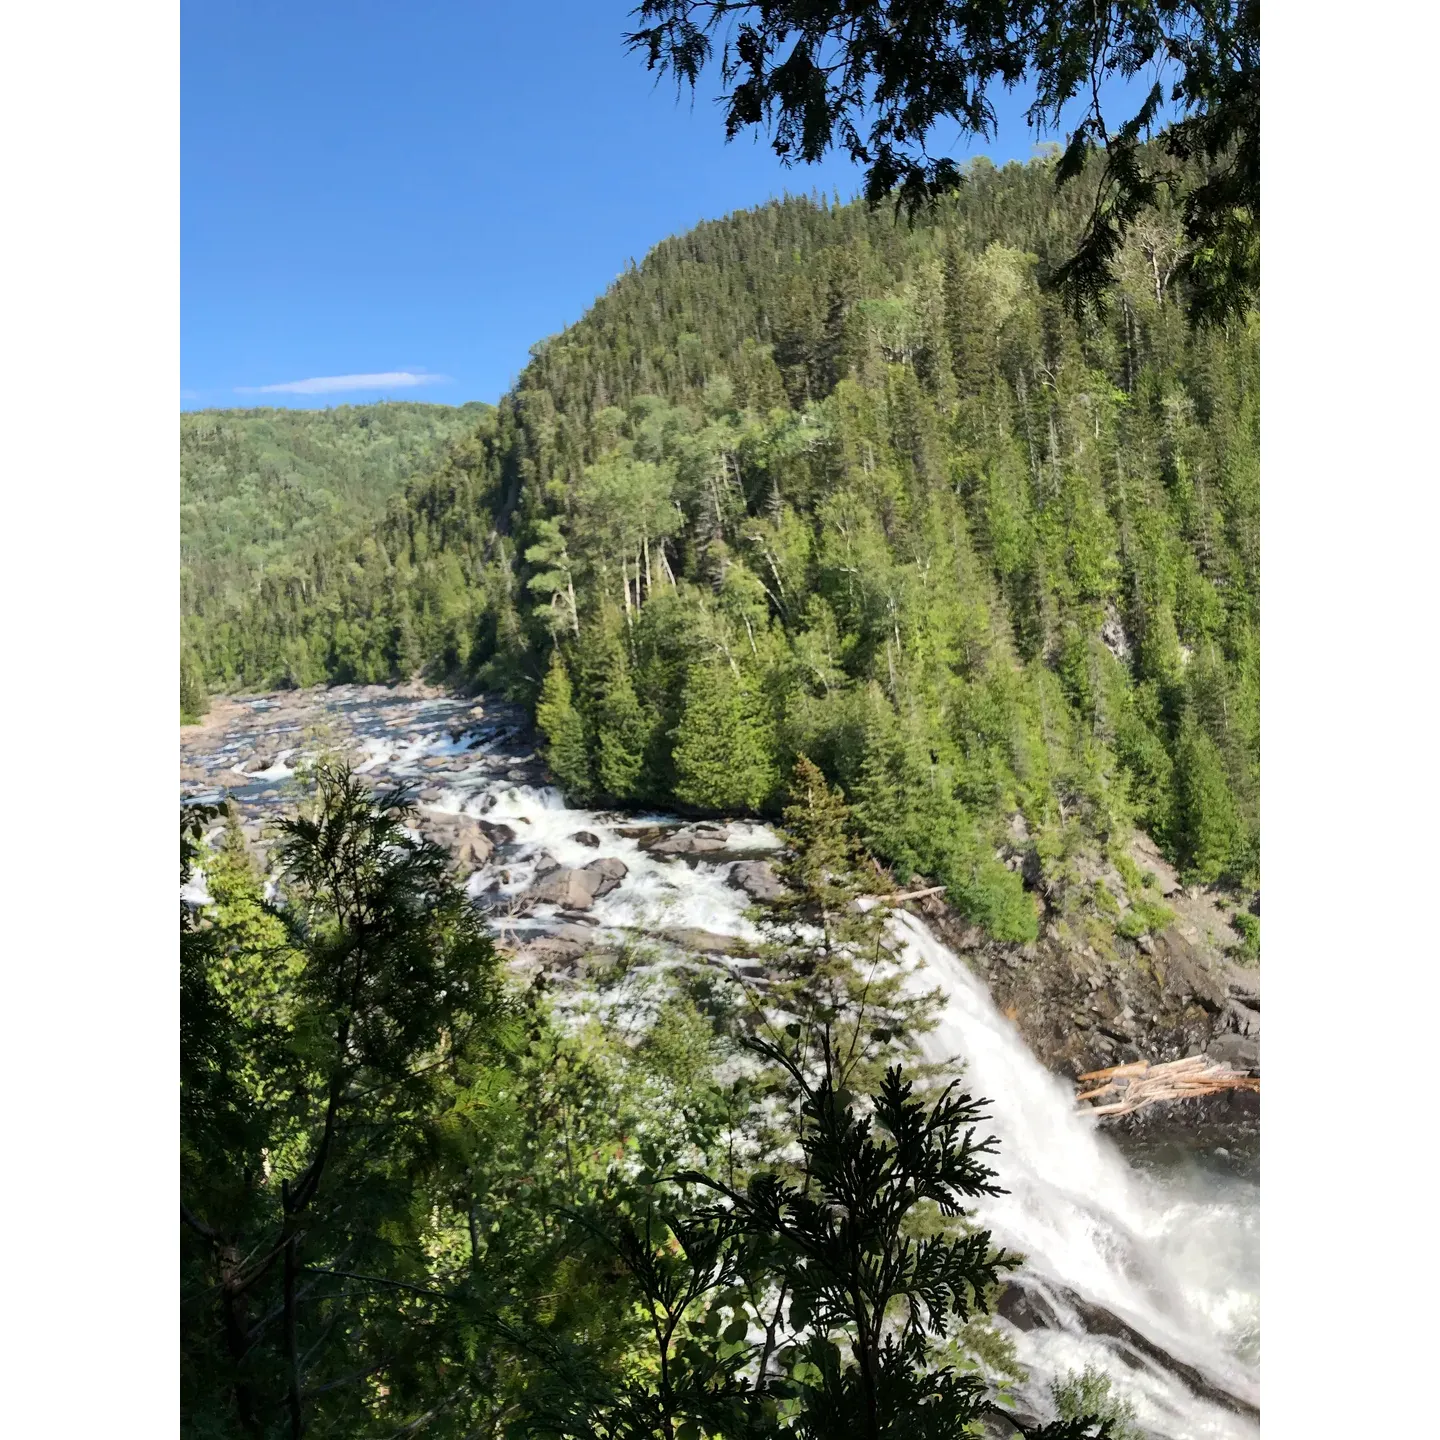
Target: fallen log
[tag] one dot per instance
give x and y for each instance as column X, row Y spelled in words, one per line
column 1135, row 1067
column 1131, row 1087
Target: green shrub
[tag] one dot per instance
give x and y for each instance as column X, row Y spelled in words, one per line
column 1248, row 925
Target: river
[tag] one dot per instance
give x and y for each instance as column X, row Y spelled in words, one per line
column 1143, row 1261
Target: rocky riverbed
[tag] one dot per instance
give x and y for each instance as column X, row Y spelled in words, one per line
column 1084, row 995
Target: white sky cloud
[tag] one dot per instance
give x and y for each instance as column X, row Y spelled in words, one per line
column 337, row 384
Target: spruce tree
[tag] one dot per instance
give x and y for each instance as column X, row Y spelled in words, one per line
column 621, row 735
column 834, row 964
column 566, row 753
column 1208, row 829
column 879, row 802
column 971, row 350
column 723, row 749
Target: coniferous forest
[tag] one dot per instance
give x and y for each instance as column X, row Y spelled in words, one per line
column 261, row 488
column 814, row 481
column 923, row 528
column 817, row 515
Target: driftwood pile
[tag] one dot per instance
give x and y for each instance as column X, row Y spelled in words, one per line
column 1123, row 1089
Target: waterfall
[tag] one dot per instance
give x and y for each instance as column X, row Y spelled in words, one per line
column 1177, row 1271
column 1152, row 1277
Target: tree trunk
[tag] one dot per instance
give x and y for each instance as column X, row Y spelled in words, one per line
column 292, row 1351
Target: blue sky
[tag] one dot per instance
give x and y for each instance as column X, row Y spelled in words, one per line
column 392, row 191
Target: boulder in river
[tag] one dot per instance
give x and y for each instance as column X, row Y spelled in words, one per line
column 576, row 889
column 461, row 835
column 757, row 879
column 587, row 838
column 693, row 840
column 609, row 872
column 703, row 942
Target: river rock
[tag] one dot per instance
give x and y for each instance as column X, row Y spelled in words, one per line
column 563, row 887
column 550, row 950
column 703, row 942
column 757, row 879
column 587, row 838
column 496, row 833
column 574, row 933
column 461, row 835
column 573, row 889
column 609, row 872
column 1242, row 1052
column 698, row 839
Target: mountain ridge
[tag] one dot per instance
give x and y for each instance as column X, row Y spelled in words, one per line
column 808, row 481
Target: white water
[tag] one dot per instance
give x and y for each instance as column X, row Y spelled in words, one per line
column 1180, row 1269
column 1173, row 1259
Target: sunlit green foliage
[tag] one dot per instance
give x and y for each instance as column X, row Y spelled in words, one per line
column 809, row 481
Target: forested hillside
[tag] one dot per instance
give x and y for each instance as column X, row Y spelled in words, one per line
column 259, row 487
column 812, row 481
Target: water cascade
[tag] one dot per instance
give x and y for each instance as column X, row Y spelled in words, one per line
column 1151, row 1275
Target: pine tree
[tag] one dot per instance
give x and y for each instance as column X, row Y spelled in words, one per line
column 723, row 752
column 566, row 753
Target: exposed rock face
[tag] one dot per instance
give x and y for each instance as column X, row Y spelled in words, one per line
column 1113, row 636
column 1083, row 1004
column 1241, row 1051
column 698, row 839
column 757, row 879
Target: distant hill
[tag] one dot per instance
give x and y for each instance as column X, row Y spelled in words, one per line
column 811, row 481
column 259, row 488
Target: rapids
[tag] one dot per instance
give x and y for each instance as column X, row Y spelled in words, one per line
column 1146, row 1266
